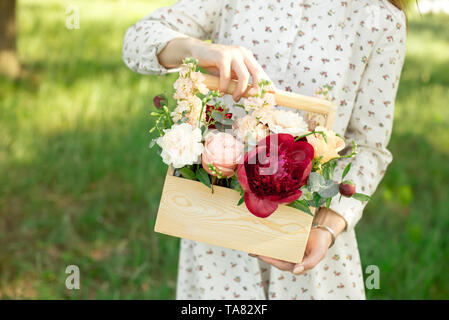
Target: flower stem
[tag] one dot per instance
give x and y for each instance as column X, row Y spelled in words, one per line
column 310, row 133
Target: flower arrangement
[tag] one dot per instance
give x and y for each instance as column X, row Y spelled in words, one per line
column 269, row 155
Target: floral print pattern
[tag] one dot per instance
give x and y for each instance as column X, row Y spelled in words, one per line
column 354, row 47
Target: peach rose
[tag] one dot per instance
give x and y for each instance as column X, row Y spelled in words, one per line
column 327, row 150
column 223, row 151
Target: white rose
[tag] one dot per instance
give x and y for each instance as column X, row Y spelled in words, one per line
column 283, row 121
column 181, row 145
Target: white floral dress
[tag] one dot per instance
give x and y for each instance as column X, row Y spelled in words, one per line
column 357, row 48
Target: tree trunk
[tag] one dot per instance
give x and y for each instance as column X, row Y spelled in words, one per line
column 9, row 64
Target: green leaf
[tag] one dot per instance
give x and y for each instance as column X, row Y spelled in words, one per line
column 330, row 191
column 345, row 172
column 328, row 202
column 187, row 173
column 203, row 177
column 317, row 200
column 315, row 181
column 301, row 205
column 361, row 197
column 242, row 199
column 306, row 194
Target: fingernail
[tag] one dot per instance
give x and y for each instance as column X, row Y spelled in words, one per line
column 298, row 269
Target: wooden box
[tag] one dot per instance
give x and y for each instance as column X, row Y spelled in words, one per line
column 188, row 209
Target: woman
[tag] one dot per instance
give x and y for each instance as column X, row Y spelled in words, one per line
column 357, row 48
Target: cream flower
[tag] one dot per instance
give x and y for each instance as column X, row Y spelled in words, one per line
column 256, row 101
column 249, row 130
column 198, row 82
column 188, row 82
column 184, row 88
column 283, row 121
column 191, row 107
column 327, row 150
column 181, row 145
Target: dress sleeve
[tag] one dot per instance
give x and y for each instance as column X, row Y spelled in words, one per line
column 371, row 122
column 147, row 38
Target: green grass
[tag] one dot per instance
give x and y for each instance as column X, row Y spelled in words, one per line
column 78, row 184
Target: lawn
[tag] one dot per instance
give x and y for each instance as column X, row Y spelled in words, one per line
column 79, row 185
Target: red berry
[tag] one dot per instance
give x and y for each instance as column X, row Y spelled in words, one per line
column 157, row 100
column 347, row 188
column 228, row 115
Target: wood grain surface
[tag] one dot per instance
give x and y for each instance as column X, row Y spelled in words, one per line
column 189, row 210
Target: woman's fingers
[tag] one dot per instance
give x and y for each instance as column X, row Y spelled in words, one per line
column 232, row 62
column 254, row 68
column 242, row 73
column 311, row 259
column 225, row 74
column 282, row 265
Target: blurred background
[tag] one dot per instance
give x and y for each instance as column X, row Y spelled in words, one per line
column 79, row 185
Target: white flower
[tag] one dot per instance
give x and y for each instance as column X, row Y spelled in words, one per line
column 198, row 82
column 249, row 130
column 191, row 108
column 283, row 121
column 184, row 88
column 181, row 145
column 256, row 101
column 187, row 82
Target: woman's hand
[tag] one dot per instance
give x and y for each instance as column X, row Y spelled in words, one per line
column 228, row 62
column 317, row 245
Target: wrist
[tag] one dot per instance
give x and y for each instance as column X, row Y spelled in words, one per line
column 193, row 47
column 330, row 219
column 176, row 50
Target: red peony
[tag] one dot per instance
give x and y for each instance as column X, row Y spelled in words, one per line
column 273, row 172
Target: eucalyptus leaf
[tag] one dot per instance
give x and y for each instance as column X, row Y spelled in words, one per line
column 306, row 194
column 316, row 181
column 330, row 191
column 203, row 177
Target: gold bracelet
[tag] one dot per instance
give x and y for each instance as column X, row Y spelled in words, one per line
column 322, row 226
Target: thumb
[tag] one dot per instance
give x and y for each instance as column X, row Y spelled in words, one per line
column 311, row 259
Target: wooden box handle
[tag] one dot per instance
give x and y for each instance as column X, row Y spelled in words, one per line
column 286, row 99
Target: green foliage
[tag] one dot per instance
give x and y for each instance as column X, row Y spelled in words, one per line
column 203, row 177
column 301, row 205
column 187, row 173
column 79, row 184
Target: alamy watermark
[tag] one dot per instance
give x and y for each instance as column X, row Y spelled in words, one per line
column 372, row 280
column 72, row 20
column 72, row 281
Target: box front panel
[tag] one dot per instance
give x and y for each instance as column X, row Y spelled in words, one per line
column 189, row 210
